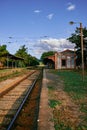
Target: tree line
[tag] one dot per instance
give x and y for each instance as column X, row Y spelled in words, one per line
column 22, row 52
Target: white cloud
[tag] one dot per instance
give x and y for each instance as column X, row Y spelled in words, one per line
column 50, row 16
column 56, row 44
column 37, row 47
column 37, row 11
column 71, row 7
column 51, row 44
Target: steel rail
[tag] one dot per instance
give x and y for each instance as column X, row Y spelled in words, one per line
column 19, row 109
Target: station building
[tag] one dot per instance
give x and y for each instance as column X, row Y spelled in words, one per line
column 62, row 60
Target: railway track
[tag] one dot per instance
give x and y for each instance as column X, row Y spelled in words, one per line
column 12, row 102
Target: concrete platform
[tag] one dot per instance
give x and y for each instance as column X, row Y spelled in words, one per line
column 45, row 112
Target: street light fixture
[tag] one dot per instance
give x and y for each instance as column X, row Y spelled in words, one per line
column 82, row 50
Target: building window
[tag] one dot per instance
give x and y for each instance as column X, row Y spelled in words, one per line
column 63, row 62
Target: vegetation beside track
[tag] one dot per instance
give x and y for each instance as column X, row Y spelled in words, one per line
column 11, row 73
column 70, row 102
column 73, row 83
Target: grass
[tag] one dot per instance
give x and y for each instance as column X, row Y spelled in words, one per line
column 61, row 126
column 74, row 84
column 77, row 89
column 11, row 75
column 51, row 88
column 54, row 103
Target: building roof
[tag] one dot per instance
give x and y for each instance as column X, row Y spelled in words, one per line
column 67, row 50
column 10, row 56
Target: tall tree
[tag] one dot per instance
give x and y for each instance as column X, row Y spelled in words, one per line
column 28, row 59
column 3, row 52
column 46, row 54
column 22, row 52
column 76, row 39
column 44, row 58
column 33, row 61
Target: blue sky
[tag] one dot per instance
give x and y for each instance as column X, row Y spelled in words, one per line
column 42, row 25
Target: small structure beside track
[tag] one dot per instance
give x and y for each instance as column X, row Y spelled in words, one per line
column 11, row 57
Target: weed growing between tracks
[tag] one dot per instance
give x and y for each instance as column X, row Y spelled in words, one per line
column 71, row 112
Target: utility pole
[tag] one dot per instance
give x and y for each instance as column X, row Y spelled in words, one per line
column 82, row 46
column 82, row 50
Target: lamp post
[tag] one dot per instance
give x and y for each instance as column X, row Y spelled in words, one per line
column 82, row 50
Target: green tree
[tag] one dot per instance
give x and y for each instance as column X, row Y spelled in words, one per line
column 3, row 53
column 34, row 61
column 44, row 59
column 46, row 54
column 28, row 59
column 76, row 39
column 22, row 52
